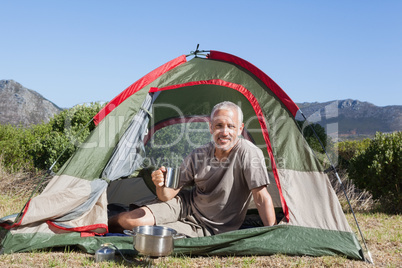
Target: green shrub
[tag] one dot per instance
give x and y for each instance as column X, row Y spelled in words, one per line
column 14, row 154
column 378, row 169
column 311, row 138
column 38, row 146
column 171, row 144
column 67, row 130
column 348, row 149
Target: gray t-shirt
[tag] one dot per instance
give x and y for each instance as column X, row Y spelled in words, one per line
column 222, row 189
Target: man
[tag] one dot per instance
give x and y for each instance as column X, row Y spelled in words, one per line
column 223, row 173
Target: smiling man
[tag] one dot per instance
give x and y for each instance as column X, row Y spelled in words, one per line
column 225, row 126
column 224, row 175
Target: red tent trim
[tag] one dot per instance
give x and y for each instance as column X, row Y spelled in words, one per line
column 215, row 55
column 181, row 120
column 85, row 229
column 142, row 82
column 173, row 121
column 257, row 109
column 274, row 87
column 8, row 227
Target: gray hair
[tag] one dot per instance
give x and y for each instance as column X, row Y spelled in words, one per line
column 227, row 105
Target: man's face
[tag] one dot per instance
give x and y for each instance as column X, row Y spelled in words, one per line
column 225, row 128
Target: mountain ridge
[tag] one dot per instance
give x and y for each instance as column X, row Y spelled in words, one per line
column 20, row 106
column 347, row 118
column 354, row 118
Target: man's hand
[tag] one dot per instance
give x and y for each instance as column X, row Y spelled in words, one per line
column 163, row 193
column 158, row 177
column 265, row 206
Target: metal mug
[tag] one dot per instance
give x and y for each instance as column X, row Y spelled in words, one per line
column 172, row 177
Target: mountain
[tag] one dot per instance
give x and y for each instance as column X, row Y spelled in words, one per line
column 343, row 119
column 350, row 119
column 22, row 106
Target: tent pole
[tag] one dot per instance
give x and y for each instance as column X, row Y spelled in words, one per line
column 370, row 260
column 197, row 51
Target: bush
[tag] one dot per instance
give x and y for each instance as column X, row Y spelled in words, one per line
column 39, row 146
column 67, row 130
column 14, row 153
column 378, row 169
column 171, row 144
column 311, row 138
column 348, row 149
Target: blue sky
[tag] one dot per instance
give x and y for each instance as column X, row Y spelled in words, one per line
column 74, row 52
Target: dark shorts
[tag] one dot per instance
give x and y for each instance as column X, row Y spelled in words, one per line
column 176, row 214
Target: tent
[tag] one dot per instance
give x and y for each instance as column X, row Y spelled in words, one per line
column 159, row 119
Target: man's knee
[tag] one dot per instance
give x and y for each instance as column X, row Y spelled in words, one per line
column 128, row 220
column 139, row 217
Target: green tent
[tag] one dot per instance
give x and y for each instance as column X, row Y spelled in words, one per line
column 158, row 120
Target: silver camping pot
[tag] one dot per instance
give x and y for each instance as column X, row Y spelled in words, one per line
column 153, row 241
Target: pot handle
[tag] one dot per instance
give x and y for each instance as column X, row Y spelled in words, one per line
column 129, row 232
column 179, row 236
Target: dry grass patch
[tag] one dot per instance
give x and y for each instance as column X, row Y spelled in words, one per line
column 16, row 188
column 382, row 232
column 360, row 200
column 79, row 259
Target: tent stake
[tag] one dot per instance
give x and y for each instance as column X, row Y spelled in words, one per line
column 370, row 260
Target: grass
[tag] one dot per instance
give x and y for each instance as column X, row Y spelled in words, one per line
column 383, row 235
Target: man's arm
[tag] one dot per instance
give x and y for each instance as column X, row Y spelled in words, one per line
column 163, row 193
column 263, row 202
